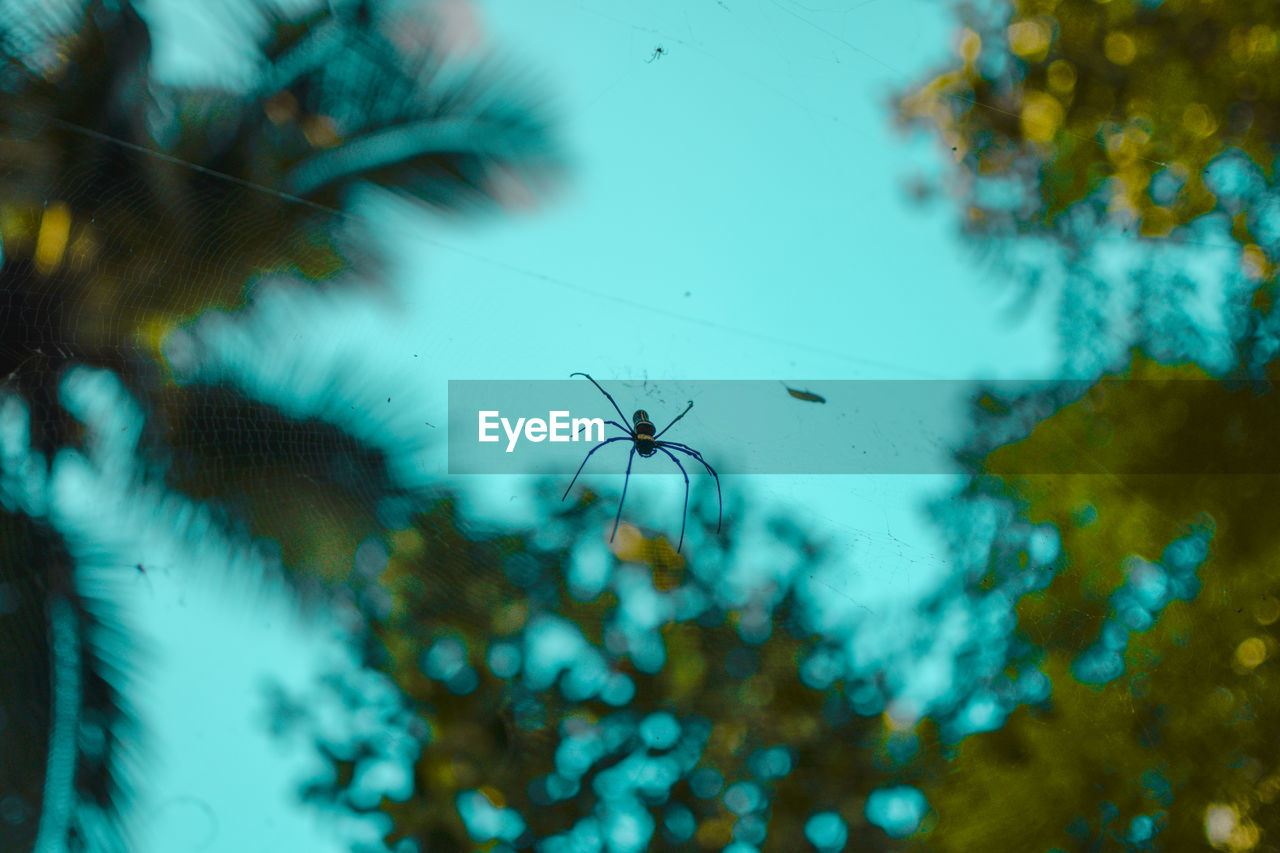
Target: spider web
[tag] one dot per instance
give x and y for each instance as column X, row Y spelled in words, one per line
column 214, row 407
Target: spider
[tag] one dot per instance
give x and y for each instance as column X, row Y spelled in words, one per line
column 645, row 442
column 658, row 53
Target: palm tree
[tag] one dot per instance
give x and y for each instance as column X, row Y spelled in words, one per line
column 128, row 207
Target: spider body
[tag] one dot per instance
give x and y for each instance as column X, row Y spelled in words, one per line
column 646, row 444
column 645, row 441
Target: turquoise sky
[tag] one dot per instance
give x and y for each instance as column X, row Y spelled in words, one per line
column 734, row 209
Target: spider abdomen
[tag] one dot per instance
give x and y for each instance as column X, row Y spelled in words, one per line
column 644, row 426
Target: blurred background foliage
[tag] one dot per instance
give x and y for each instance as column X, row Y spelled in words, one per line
column 625, row 700
column 1148, row 126
column 129, row 206
column 1077, row 96
column 1155, row 627
column 1073, row 124
column 1113, row 594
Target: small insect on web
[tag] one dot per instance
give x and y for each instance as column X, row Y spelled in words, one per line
column 807, row 396
column 645, row 442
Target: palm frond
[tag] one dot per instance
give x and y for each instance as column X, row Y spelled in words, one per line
column 128, row 206
column 307, row 485
column 65, row 729
column 344, row 103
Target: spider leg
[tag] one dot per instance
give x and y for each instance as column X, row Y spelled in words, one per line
column 678, row 417
column 588, row 456
column 685, row 516
column 604, row 392
column 689, row 451
column 623, row 499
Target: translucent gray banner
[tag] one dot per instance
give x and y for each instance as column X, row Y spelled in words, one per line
column 861, row 426
column 739, row 426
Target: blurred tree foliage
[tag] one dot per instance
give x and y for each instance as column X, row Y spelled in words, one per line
column 63, row 722
column 1151, row 630
column 1076, row 120
column 129, row 206
column 1078, row 94
column 1155, row 626
column 540, row 696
